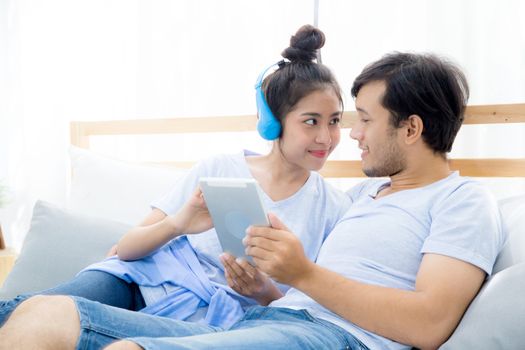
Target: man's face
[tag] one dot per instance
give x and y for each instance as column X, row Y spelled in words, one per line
column 380, row 142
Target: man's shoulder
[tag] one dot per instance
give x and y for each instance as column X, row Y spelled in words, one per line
column 452, row 186
column 464, row 196
column 463, row 186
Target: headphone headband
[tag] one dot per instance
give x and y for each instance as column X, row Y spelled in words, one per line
column 260, row 79
column 268, row 125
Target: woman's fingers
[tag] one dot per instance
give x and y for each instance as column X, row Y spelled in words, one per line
column 235, row 271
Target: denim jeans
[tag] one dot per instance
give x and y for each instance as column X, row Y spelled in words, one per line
column 93, row 285
column 260, row 328
column 264, row 328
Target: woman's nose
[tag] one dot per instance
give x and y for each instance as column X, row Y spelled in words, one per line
column 323, row 136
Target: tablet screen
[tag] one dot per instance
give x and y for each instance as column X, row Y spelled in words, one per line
column 234, row 204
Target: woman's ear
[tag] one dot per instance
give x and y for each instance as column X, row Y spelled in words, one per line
column 414, row 129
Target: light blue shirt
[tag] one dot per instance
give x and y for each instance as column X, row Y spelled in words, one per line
column 311, row 213
column 382, row 242
column 189, row 288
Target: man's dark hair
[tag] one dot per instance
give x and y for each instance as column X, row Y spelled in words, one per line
column 423, row 84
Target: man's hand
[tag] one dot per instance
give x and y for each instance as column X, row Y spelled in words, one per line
column 194, row 216
column 277, row 252
column 247, row 280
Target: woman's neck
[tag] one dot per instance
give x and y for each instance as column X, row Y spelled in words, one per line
column 277, row 178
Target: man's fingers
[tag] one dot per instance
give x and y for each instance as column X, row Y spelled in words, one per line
column 261, row 264
column 276, row 223
column 261, row 242
column 265, row 232
column 259, row 253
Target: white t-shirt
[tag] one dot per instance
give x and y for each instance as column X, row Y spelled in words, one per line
column 311, row 213
column 382, row 242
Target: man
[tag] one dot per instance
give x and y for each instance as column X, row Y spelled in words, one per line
column 399, row 270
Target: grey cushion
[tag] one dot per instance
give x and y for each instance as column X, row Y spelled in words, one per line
column 496, row 317
column 57, row 246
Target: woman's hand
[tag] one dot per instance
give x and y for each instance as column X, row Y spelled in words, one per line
column 158, row 228
column 194, row 216
column 247, row 280
column 112, row 251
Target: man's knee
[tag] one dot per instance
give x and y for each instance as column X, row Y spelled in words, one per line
column 123, row 345
column 54, row 314
column 48, row 305
column 43, row 322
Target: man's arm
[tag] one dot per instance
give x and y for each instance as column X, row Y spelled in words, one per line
column 423, row 318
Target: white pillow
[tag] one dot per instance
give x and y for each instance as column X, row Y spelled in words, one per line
column 114, row 189
column 495, row 318
column 513, row 216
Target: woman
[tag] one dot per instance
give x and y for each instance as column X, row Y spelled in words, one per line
column 164, row 268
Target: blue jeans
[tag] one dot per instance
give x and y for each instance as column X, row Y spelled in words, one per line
column 260, row 328
column 93, row 285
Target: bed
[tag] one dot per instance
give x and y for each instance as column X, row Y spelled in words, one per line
column 107, row 196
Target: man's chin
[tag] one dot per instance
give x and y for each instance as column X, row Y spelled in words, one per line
column 381, row 172
column 374, row 173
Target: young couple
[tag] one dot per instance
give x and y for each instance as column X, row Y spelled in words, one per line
column 393, row 264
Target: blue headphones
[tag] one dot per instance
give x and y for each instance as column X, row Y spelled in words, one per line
column 268, row 126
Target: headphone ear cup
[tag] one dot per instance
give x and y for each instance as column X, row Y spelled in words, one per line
column 268, row 125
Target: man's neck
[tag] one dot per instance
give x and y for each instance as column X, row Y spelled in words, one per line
column 418, row 175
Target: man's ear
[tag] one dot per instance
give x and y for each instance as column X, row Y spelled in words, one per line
column 414, row 129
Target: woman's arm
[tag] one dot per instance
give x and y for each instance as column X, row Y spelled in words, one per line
column 158, row 228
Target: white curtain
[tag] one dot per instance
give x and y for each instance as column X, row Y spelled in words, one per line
column 63, row 60
column 485, row 37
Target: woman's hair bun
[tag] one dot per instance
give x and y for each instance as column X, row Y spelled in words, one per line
column 304, row 44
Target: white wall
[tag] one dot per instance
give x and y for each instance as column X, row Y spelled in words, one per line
column 63, row 60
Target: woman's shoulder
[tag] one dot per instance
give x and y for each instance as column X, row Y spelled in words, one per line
column 328, row 189
column 223, row 165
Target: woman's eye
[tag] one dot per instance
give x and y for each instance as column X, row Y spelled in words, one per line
column 310, row 122
column 335, row 121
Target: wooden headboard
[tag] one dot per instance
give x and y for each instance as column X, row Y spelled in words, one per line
column 479, row 167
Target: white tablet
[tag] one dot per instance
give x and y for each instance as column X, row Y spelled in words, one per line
column 234, row 204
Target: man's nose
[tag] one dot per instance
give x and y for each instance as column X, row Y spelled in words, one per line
column 356, row 134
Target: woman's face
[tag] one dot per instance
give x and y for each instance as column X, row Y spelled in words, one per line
column 311, row 130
